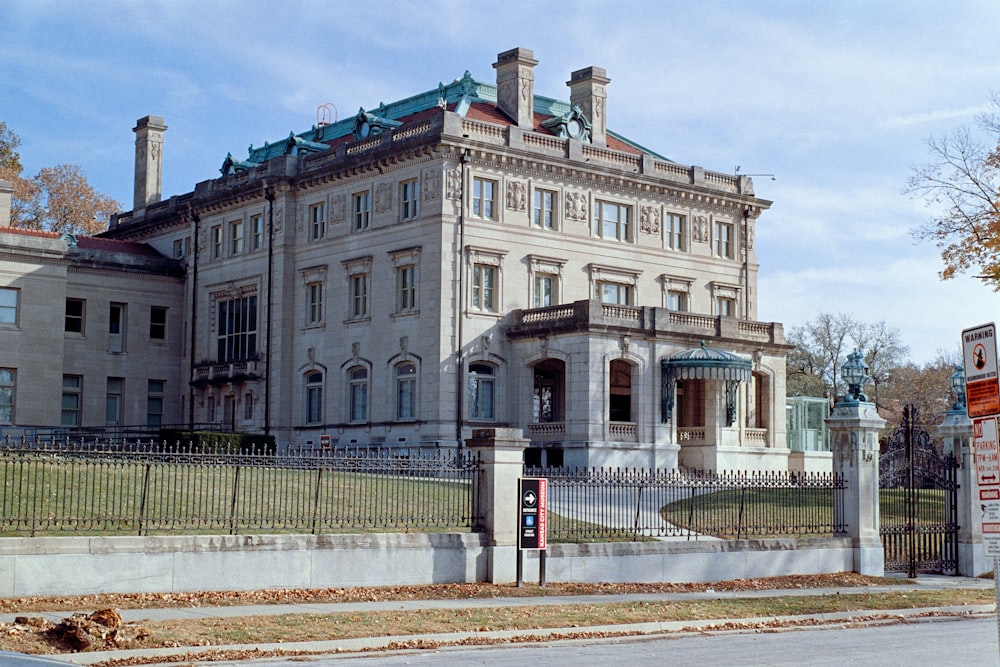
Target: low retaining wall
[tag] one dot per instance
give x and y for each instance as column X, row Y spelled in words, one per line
column 88, row 565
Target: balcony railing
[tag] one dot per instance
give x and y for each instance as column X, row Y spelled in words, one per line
column 547, row 430
column 621, row 430
column 234, row 371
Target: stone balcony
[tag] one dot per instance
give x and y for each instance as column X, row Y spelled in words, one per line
column 593, row 316
column 211, row 373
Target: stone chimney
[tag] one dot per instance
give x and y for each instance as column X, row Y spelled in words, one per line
column 516, row 85
column 586, row 90
column 148, row 161
column 6, row 194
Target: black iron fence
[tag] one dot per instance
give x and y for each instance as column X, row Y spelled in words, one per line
column 601, row 504
column 150, row 488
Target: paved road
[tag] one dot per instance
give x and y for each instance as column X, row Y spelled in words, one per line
column 966, row 642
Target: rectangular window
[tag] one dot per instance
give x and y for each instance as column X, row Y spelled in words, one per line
column 673, row 231
column 613, row 293
column 612, row 221
column 116, row 328
column 8, row 386
column 358, row 379
column 314, row 296
column 236, row 237
column 256, row 232
column 406, row 288
column 359, row 296
column 75, row 311
column 317, row 221
column 179, row 249
column 216, row 241
column 723, row 240
column 157, row 323
column 154, row 402
column 725, row 306
column 72, row 387
column 406, row 391
column 314, row 398
column 481, row 391
column 408, row 199
column 248, row 407
column 677, row 301
column 484, row 198
column 484, row 284
column 237, row 327
column 544, row 290
column 542, row 209
column 113, row 402
column 362, row 210
column 8, row 305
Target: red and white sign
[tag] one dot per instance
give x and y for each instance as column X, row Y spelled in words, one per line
column 982, row 383
column 987, row 455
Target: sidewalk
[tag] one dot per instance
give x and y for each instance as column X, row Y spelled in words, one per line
column 346, row 645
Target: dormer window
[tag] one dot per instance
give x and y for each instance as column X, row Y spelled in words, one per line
column 368, row 124
column 572, row 124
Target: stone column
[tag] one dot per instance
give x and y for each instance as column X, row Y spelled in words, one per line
column 148, row 161
column 501, row 462
column 6, row 197
column 854, row 427
column 955, row 432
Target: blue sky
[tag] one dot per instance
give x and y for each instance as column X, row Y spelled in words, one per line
column 836, row 99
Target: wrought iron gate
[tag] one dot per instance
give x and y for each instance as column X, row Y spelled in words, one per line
column 918, row 496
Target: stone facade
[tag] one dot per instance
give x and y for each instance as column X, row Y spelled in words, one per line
column 442, row 264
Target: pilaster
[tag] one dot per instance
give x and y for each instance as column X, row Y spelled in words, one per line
column 955, row 432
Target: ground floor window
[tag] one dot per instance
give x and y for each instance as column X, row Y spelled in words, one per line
column 620, row 399
column 482, row 386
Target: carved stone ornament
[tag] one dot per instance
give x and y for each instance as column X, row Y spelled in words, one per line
column 649, row 219
column 517, row 195
column 338, row 208
column 454, row 190
column 699, row 230
column 432, row 184
column 383, row 197
column 576, row 206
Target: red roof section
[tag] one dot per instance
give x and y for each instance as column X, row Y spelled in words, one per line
column 91, row 242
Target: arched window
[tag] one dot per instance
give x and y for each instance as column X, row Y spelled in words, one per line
column 482, row 389
column 547, row 396
column 358, row 379
column 406, row 391
column 620, row 390
column 314, row 397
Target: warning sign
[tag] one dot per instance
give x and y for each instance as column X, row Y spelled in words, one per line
column 982, row 384
column 987, row 456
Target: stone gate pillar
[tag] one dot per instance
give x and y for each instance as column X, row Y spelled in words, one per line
column 955, row 432
column 501, row 462
column 854, row 425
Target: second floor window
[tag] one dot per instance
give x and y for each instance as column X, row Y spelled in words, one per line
column 484, row 285
column 74, row 315
column 612, row 221
column 317, row 221
column 406, row 289
column 314, row 295
column 677, row 301
column 236, row 237
column 157, row 323
column 216, row 241
column 408, row 199
column 237, row 329
column 256, row 231
column 614, row 293
column 362, row 210
column 8, row 305
column 544, row 289
column 359, row 296
column 484, row 198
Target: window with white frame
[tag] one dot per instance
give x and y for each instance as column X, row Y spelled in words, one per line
column 9, row 298
column 725, row 306
column 317, row 221
column 75, row 313
column 484, row 288
column 358, row 271
column 314, row 397
column 407, row 274
column 613, row 285
column 236, row 238
column 406, row 391
column 358, row 391
column 256, row 231
column 482, row 391
column 179, row 249
column 154, row 402
column 676, row 301
column 408, row 199
column 314, row 303
column 484, row 198
column 248, row 405
column 612, row 221
column 674, row 228
column 8, row 390
column 216, row 233
column 723, row 239
column 543, row 209
column 725, row 300
column 362, row 210
column 116, row 327
column 72, row 391
column 543, row 290
column 113, row 401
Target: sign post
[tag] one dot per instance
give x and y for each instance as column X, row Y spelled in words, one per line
column 982, row 396
column 532, row 523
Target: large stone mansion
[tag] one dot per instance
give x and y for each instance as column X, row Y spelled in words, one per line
column 473, row 256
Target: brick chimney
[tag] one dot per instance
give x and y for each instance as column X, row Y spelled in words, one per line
column 6, row 194
column 586, row 90
column 516, row 85
column 148, row 161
